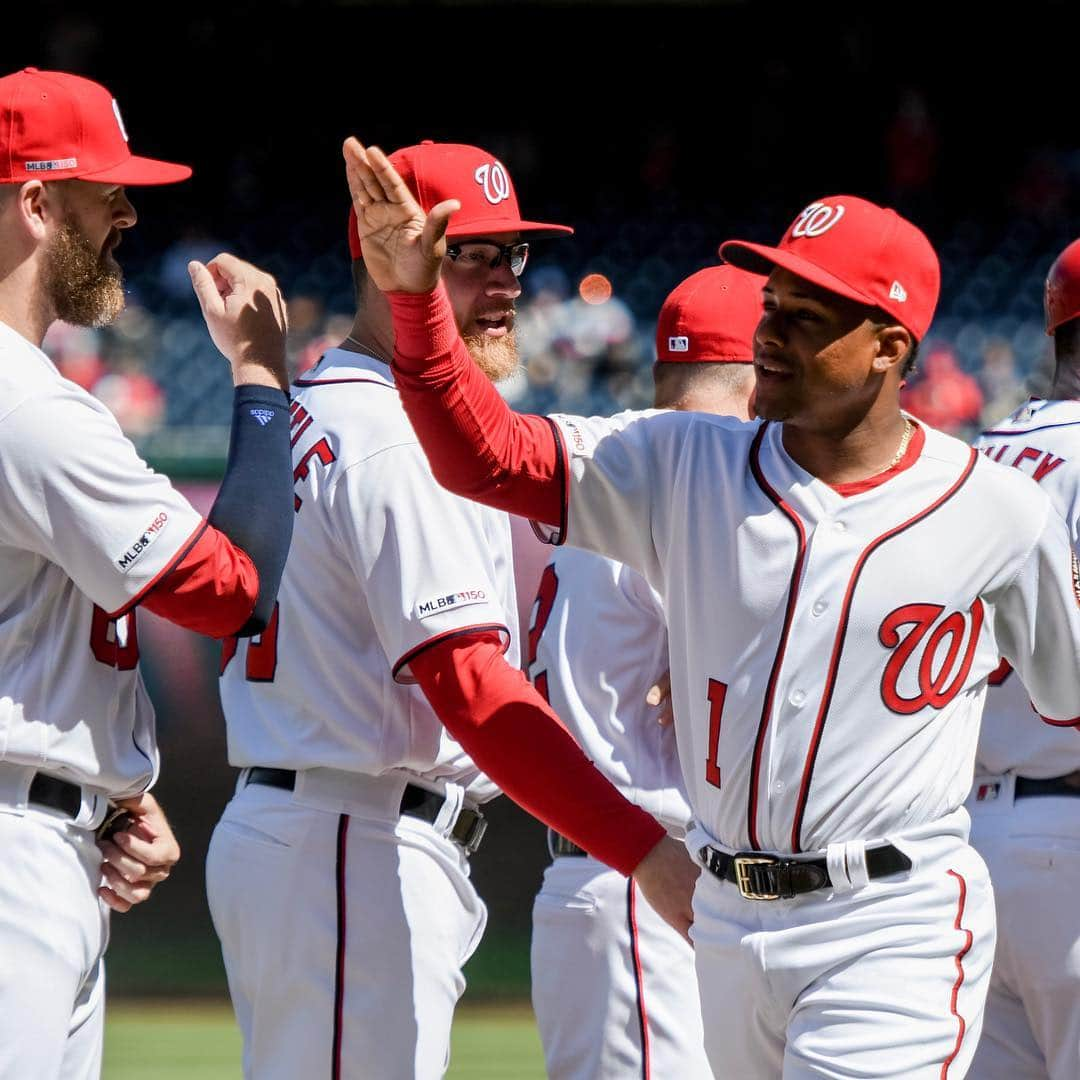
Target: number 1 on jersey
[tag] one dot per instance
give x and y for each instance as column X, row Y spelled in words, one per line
column 717, row 693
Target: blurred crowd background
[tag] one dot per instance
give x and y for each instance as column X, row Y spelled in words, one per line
column 656, row 130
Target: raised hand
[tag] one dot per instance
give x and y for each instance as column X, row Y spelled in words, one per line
column 403, row 246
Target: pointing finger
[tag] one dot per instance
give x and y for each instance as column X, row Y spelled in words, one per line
column 206, row 290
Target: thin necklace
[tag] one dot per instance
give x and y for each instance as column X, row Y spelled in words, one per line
column 370, row 350
column 909, row 430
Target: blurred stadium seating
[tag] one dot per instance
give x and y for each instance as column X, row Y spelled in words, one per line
column 579, row 355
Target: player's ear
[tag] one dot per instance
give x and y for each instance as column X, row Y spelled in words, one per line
column 32, row 204
column 893, row 345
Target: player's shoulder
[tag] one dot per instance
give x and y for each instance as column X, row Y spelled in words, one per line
column 38, row 406
column 27, row 375
column 974, row 475
column 353, row 399
column 1038, row 415
column 659, row 429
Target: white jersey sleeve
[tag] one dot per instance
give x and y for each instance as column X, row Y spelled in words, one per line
column 1038, row 623
column 1042, row 440
column 74, row 490
column 598, row 642
column 423, row 555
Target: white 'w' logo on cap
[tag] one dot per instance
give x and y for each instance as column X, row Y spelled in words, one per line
column 816, row 219
column 493, row 179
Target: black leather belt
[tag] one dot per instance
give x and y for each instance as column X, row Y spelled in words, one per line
column 55, row 794
column 1068, row 785
column 416, row 802
column 773, row 877
column 559, row 845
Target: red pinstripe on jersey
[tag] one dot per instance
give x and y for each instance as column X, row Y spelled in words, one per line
column 841, row 633
column 789, row 614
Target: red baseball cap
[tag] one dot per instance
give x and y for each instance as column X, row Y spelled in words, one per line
column 856, row 249
column 1062, row 297
column 435, row 172
column 55, row 126
column 710, row 318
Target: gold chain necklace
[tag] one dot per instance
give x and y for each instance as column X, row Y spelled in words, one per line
column 909, row 430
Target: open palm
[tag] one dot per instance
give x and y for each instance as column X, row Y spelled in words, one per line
column 403, row 246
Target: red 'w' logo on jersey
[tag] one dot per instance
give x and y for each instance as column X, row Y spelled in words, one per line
column 938, row 677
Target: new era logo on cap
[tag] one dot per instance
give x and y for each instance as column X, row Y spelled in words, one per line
column 851, row 247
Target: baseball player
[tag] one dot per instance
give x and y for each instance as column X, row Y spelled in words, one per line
column 87, row 534
column 1025, row 802
column 338, row 876
column 631, row 1007
column 833, row 617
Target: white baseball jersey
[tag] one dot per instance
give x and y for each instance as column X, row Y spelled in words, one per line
column 86, row 528
column 1041, row 439
column 829, row 654
column 597, row 643
column 383, row 563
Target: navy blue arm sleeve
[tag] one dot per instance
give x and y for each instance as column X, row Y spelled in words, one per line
column 254, row 505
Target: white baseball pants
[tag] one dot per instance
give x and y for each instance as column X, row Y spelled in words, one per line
column 613, row 986
column 1032, row 848
column 887, row 980
column 53, row 933
column 343, row 934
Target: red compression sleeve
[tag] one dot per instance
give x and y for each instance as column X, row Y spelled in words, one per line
column 211, row 590
column 512, row 734
column 477, row 445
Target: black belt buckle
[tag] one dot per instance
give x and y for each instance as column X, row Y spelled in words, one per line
column 469, row 830
column 762, row 877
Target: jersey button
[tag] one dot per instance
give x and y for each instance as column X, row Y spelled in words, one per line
column 778, row 787
column 819, row 606
column 797, row 697
column 839, row 526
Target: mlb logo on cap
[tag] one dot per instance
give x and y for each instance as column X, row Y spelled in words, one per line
column 56, row 126
column 710, row 318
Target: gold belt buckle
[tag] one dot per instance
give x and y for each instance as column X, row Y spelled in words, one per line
column 743, row 880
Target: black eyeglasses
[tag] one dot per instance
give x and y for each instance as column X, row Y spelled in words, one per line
column 480, row 254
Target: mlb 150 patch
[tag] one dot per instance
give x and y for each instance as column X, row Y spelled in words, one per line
column 459, row 599
column 135, row 549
